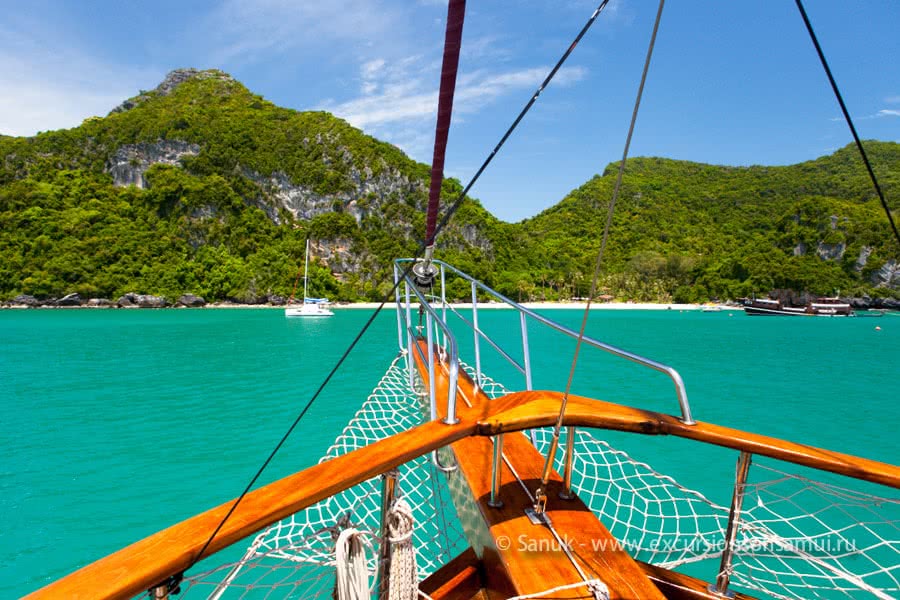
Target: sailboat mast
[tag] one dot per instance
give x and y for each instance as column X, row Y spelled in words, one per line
column 306, row 273
column 423, row 271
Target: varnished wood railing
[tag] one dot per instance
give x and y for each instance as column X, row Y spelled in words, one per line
column 526, row 410
column 152, row 560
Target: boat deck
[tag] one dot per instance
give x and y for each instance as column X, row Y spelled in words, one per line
column 520, row 557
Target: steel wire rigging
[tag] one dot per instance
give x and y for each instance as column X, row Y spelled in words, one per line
column 441, row 224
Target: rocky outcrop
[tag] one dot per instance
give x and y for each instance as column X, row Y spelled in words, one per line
column 129, row 300
column 474, row 238
column 830, row 251
column 338, row 254
column 823, row 250
column 26, row 300
column 888, row 275
column 866, row 303
column 860, row 303
column 67, row 301
column 132, row 300
column 172, row 81
column 864, row 254
column 368, row 194
column 190, row 300
column 129, row 163
column 70, row 300
column 886, row 304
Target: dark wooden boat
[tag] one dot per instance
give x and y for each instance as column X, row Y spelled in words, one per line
column 822, row 307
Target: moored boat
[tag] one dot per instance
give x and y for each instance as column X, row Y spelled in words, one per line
column 311, row 307
column 822, row 307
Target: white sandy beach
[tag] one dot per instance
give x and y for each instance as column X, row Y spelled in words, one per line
column 553, row 305
column 481, row 306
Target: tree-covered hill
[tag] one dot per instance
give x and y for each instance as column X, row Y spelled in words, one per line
column 685, row 231
column 200, row 186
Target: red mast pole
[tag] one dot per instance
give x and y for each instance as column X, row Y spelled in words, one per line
column 456, row 12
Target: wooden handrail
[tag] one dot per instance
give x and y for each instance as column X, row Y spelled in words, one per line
column 146, row 563
column 519, row 411
column 150, row 561
column 526, row 410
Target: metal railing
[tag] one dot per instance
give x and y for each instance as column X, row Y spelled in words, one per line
column 524, row 313
column 432, row 325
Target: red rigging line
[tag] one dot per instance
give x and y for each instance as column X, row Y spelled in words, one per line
column 456, row 12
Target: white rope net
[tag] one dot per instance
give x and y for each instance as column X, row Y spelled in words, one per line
column 799, row 538
column 295, row 557
column 810, row 539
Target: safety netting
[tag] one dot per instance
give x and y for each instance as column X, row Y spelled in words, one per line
column 799, row 538
column 295, row 557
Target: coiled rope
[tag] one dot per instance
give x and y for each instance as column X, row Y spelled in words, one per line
column 351, row 565
column 351, row 559
column 403, row 580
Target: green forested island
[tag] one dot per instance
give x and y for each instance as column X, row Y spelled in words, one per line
column 202, row 187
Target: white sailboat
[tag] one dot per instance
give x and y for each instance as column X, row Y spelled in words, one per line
column 311, row 307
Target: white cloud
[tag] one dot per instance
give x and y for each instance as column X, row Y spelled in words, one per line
column 371, row 69
column 43, row 89
column 370, row 72
column 27, row 107
column 404, row 108
column 405, row 92
column 884, row 112
column 252, row 31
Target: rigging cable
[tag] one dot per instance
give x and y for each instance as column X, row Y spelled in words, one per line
column 840, row 99
column 540, row 496
column 440, row 226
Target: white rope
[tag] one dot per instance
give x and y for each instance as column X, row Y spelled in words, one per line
column 350, row 560
column 597, row 588
column 403, row 581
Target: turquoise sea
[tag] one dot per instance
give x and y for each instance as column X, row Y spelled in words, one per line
column 115, row 424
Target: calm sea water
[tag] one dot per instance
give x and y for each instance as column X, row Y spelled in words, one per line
column 115, row 424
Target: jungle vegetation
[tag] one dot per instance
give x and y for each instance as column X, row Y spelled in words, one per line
column 213, row 225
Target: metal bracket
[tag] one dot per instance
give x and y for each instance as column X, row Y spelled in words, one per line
column 712, row 589
column 537, row 518
column 172, row 585
column 436, row 460
column 424, row 273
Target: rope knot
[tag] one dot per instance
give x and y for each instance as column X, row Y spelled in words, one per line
column 403, row 583
column 400, row 522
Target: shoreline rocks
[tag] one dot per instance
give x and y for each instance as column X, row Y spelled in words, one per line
column 134, row 300
column 190, row 301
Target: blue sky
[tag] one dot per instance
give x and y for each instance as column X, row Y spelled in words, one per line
column 731, row 82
